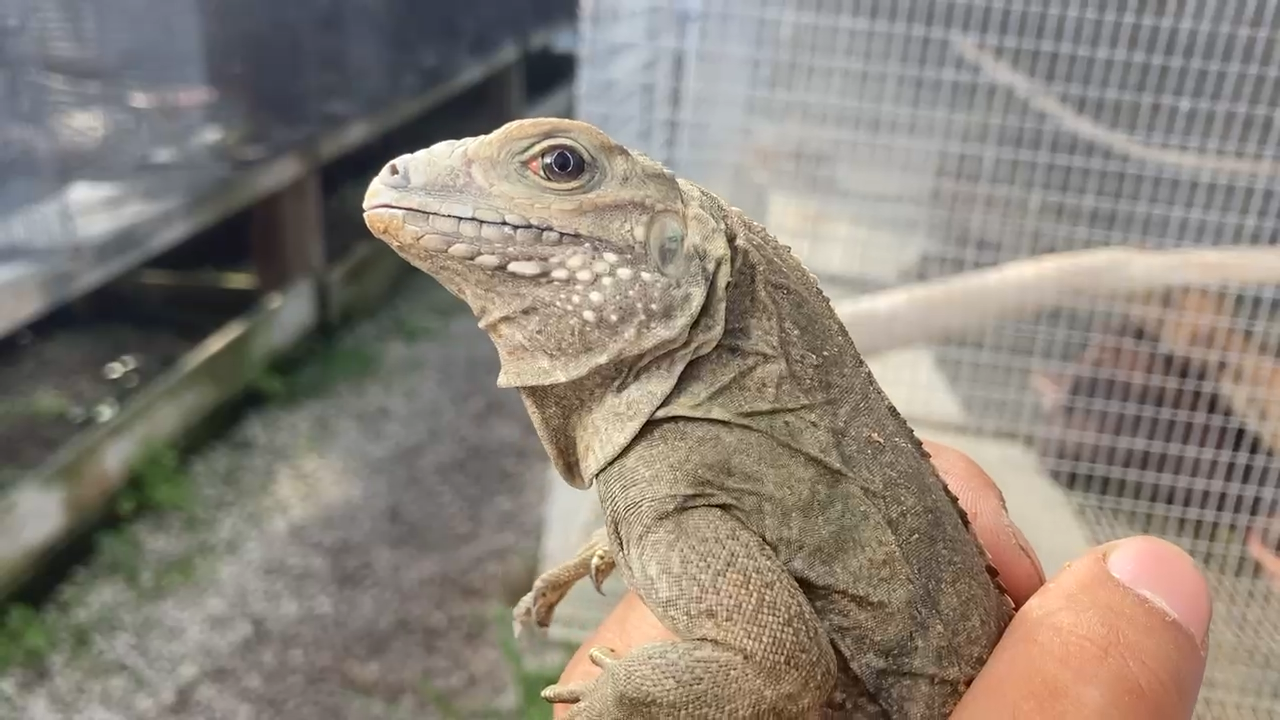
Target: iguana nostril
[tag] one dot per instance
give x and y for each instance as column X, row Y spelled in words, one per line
column 396, row 173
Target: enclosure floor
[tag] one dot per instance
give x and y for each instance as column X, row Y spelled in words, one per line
column 351, row 549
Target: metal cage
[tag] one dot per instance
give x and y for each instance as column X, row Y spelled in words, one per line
column 892, row 142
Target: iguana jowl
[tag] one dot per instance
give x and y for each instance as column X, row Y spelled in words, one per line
column 761, row 494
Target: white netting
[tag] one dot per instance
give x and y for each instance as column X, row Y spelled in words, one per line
column 895, row 141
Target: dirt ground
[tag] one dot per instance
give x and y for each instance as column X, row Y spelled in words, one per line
column 353, row 551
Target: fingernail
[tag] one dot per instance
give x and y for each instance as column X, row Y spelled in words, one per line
column 1029, row 552
column 1167, row 577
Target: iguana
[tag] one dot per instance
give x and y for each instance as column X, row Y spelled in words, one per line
column 761, row 495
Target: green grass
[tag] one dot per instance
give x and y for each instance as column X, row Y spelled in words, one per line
column 530, row 681
column 26, row 637
column 413, row 329
column 323, row 364
column 159, row 484
column 327, row 365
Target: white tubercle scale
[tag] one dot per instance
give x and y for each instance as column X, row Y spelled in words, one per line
column 600, row 288
column 490, row 240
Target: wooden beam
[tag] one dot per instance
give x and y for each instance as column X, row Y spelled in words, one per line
column 286, row 234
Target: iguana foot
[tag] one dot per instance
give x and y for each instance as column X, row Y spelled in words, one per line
column 572, row 693
column 661, row 680
column 594, row 560
column 566, row 693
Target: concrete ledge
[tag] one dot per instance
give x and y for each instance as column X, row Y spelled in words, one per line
column 72, row 489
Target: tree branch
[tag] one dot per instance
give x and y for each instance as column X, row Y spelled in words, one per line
column 960, row 304
column 1026, row 88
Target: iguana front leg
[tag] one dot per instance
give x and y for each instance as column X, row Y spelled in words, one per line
column 751, row 645
column 594, row 560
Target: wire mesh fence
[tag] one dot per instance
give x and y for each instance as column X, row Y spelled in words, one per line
column 897, row 141
column 112, row 108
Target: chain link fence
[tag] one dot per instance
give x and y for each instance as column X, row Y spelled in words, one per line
column 891, row 142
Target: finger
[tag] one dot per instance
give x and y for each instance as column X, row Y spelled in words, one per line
column 1011, row 554
column 628, row 626
column 1119, row 633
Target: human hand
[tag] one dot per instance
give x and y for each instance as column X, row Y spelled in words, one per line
column 1120, row 632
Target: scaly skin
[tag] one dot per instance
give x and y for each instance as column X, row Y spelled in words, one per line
column 761, row 495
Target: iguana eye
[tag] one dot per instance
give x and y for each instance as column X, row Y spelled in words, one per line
column 666, row 242
column 562, row 165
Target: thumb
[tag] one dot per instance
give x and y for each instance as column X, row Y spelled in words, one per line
column 1120, row 633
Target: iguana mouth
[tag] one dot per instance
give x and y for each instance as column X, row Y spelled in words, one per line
column 508, row 242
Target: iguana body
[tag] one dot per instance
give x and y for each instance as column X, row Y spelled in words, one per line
column 761, row 494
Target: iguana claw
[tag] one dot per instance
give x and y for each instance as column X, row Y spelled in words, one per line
column 594, row 560
column 567, row 693
column 573, row 692
column 601, row 567
column 601, row 657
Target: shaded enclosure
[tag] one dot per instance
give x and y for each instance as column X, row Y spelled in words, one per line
column 897, row 141
column 114, row 112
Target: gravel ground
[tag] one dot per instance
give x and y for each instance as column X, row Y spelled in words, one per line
column 348, row 547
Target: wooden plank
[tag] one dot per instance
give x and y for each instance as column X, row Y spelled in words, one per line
column 286, row 234
column 361, row 281
column 506, row 92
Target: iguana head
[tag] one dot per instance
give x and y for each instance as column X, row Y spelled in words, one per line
column 574, row 252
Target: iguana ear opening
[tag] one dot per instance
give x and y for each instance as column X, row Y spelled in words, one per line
column 666, row 244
